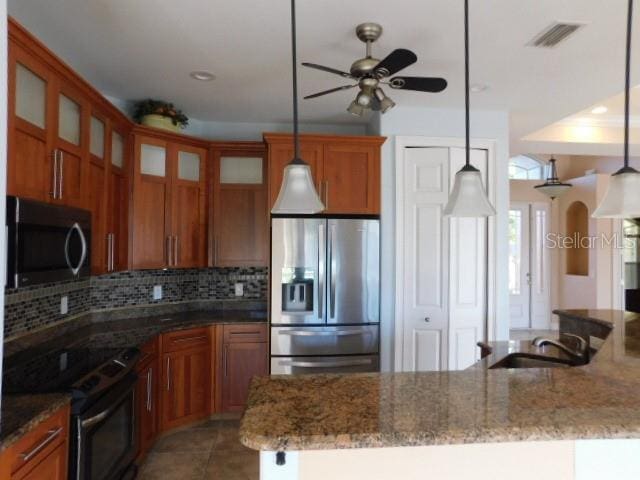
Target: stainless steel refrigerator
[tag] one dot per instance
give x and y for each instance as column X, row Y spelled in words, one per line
column 325, row 295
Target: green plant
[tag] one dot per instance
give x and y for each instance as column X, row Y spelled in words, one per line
column 158, row 107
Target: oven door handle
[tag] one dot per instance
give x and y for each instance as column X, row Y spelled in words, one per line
column 91, row 421
column 83, row 255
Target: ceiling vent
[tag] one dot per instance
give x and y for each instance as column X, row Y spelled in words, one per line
column 554, row 34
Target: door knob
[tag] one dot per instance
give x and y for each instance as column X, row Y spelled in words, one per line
column 427, row 319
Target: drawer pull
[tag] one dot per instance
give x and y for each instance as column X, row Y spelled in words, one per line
column 189, row 339
column 245, row 333
column 51, row 435
column 325, row 364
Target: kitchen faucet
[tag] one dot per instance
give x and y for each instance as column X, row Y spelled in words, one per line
column 581, row 354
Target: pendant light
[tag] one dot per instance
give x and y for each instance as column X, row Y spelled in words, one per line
column 553, row 187
column 622, row 199
column 298, row 194
column 468, row 197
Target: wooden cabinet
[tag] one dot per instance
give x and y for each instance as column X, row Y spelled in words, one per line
column 244, row 355
column 168, row 204
column 345, row 169
column 238, row 217
column 186, row 377
column 117, row 205
column 147, row 403
column 42, row 453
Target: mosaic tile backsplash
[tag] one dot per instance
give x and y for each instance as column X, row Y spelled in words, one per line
column 33, row 307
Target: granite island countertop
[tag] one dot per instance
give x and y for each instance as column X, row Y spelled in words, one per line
column 478, row 405
column 21, row 411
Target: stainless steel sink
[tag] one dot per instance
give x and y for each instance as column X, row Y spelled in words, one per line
column 522, row 360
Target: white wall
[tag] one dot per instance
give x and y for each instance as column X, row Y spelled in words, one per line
column 400, row 121
column 249, row 131
column 3, row 160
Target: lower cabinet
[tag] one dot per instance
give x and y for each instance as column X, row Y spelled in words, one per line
column 244, row 355
column 186, row 377
column 147, row 392
column 42, row 453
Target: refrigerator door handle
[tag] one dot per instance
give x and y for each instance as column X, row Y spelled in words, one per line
column 333, row 364
column 324, row 333
column 321, row 270
column 332, row 274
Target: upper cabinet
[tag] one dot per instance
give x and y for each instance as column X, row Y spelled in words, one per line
column 61, row 145
column 345, row 169
column 239, row 214
column 168, row 203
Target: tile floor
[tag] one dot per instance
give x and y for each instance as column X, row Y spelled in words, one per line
column 209, row 450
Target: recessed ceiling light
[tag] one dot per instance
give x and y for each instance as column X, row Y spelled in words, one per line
column 599, row 110
column 478, row 87
column 202, row 76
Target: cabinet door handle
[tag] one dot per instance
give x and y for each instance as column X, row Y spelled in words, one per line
column 113, row 251
column 54, row 189
column 51, row 435
column 149, row 382
column 215, row 252
column 168, row 373
column 175, row 250
column 168, row 247
column 326, row 194
column 225, row 361
column 61, row 174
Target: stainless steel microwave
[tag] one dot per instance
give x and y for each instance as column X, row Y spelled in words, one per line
column 46, row 243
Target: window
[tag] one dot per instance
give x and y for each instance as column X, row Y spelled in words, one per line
column 523, row 167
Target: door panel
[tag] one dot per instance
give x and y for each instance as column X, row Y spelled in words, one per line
column 241, row 361
column 353, row 271
column 118, row 217
column 351, row 178
column 29, row 169
column 97, row 180
column 519, row 288
column 468, row 274
column 424, row 266
column 71, row 168
column 298, row 285
column 540, row 272
column 150, row 241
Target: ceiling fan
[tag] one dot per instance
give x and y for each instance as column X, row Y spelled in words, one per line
column 370, row 73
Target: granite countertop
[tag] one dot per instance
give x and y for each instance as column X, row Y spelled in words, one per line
column 21, row 412
column 478, row 405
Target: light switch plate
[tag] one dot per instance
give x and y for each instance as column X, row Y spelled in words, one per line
column 157, row 292
column 239, row 289
column 64, row 305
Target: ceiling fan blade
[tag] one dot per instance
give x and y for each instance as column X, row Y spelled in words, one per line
column 394, row 62
column 327, row 69
column 420, row 84
column 326, row 92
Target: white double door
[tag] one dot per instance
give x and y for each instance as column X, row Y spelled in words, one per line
column 529, row 276
column 442, row 305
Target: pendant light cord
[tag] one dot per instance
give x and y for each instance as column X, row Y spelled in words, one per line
column 627, row 86
column 466, row 81
column 296, row 139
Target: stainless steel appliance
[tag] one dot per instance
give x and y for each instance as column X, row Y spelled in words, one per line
column 102, row 384
column 325, row 294
column 46, row 243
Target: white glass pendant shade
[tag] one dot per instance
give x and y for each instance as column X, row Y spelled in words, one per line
column 468, row 197
column 553, row 190
column 298, row 194
column 622, row 199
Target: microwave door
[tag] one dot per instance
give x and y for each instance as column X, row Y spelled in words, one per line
column 353, row 271
column 298, row 264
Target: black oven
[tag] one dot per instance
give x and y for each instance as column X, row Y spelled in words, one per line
column 46, row 243
column 104, row 438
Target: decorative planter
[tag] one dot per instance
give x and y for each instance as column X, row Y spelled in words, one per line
column 160, row 121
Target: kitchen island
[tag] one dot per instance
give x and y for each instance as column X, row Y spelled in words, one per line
column 477, row 423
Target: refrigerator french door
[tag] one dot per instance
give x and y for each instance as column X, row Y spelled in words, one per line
column 325, row 295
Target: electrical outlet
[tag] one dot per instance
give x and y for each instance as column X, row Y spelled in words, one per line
column 157, row 292
column 63, row 361
column 239, row 289
column 64, row 305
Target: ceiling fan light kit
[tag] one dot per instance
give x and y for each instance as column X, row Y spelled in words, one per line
column 298, row 194
column 370, row 74
column 468, row 197
column 622, row 199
